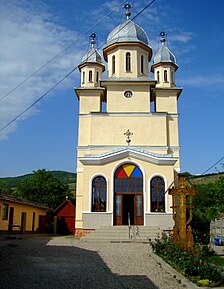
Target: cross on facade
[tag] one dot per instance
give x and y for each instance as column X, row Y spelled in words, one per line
column 128, row 135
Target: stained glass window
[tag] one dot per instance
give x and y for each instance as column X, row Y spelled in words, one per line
column 128, row 178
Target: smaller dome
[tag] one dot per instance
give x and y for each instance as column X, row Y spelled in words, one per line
column 92, row 55
column 164, row 54
column 127, row 31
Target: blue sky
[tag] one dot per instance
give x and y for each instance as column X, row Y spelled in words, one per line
column 32, row 32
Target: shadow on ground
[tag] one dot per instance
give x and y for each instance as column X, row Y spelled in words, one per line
column 31, row 263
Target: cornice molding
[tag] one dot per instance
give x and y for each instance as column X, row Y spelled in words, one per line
column 140, row 154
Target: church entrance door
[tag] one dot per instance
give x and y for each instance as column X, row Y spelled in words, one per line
column 128, row 195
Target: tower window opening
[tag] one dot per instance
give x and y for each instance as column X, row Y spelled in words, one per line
column 158, row 77
column 90, row 76
column 142, row 64
column 97, row 76
column 83, row 76
column 172, row 77
column 165, row 76
column 113, row 64
column 128, row 62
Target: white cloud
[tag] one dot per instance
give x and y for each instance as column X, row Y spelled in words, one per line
column 202, row 81
column 183, row 37
column 30, row 37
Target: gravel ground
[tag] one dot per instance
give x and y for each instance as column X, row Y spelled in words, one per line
column 63, row 262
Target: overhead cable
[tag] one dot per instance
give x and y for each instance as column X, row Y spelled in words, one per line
column 213, row 165
column 62, row 51
column 70, row 72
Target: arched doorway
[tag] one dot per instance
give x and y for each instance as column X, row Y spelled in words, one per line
column 128, row 195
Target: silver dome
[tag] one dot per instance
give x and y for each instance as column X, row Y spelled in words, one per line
column 127, row 31
column 164, row 55
column 92, row 55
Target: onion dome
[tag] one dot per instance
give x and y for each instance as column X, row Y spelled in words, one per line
column 127, row 31
column 164, row 54
column 92, row 55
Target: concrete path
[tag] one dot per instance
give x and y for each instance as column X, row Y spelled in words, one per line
column 63, row 262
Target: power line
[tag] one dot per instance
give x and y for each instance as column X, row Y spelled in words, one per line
column 53, row 58
column 34, row 103
column 62, row 79
column 213, row 165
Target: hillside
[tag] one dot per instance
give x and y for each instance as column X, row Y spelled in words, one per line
column 205, row 179
column 67, row 178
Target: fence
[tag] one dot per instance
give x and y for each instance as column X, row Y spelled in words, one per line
column 217, row 232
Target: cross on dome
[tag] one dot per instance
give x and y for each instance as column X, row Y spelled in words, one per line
column 163, row 39
column 127, row 7
column 93, row 37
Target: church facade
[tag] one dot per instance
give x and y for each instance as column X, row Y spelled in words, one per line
column 128, row 144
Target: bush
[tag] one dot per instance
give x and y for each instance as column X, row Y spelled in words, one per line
column 195, row 265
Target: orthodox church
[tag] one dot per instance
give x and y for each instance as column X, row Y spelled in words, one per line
column 128, row 144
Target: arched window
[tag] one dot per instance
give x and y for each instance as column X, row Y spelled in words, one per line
column 165, row 76
column 97, row 76
column 99, row 194
column 90, row 76
column 157, row 189
column 142, row 64
column 113, row 64
column 128, row 62
column 83, row 76
column 158, row 77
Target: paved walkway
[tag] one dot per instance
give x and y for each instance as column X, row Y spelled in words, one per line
column 62, row 262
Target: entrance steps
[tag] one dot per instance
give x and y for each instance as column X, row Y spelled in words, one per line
column 124, row 234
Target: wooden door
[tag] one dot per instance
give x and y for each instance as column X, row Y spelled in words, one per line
column 23, row 223
column 139, row 209
column 11, row 217
column 33, row 221
column 128, row 195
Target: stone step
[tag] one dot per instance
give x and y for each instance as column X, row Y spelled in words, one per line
column 122, row 234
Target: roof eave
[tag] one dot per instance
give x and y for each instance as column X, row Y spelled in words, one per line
column 91, row 63
column 125, row 153
column 165, row 62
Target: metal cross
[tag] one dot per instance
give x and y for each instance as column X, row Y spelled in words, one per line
column 93, row 37
column 127, row 6
column 128, row 135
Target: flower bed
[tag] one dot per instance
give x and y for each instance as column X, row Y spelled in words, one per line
column 202, row 266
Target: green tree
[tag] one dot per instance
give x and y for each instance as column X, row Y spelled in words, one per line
column 43, row 188
column 4, row 189
column 209, row 201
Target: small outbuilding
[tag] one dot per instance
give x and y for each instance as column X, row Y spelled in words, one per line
column 19, row 214
column 65, row 213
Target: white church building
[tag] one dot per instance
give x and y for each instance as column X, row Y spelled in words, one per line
column 128, row 143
